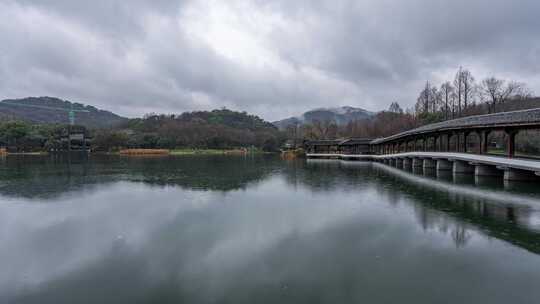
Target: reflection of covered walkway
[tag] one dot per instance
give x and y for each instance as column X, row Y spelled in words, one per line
column 478, row 203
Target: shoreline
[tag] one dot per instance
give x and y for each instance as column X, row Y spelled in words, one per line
column 150, row 152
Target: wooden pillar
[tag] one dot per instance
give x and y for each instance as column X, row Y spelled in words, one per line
column 479, row 137
column 484, row 134
column 448, row 137
column 511, row 144
column 465, row 142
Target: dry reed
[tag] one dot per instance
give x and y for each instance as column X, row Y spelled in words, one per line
column 144, row 152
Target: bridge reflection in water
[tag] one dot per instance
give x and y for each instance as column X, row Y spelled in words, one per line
column 510, row 213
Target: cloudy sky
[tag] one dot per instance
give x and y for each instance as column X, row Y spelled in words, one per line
column 273, row 58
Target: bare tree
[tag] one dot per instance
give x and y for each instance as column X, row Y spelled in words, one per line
column 427, row 100
column 498, row 91
column 446, row 91
column 468, row 87
column 453, row 102
column 326, row 129
column 458, row 84
column 435, row 100
column 424, row 97
column 395, row 108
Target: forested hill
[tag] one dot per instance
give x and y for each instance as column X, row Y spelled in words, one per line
column 54, row 110
column 203, row 129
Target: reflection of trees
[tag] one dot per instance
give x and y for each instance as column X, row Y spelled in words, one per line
column 325, row 175
column 432, row 205
column 51, row 176
column 460, row 235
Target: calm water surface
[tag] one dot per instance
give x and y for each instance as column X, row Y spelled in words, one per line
column 261, row 230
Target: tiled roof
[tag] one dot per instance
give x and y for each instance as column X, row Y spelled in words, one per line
column 356, row 141
column 324, row 142
column 340, row 142
column 504, row 119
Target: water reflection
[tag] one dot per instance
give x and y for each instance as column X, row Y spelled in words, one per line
column 483, row 205
column 244, row 230
column 53, row 176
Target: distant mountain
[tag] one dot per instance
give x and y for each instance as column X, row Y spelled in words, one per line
column 54, row 110
column 341, row 115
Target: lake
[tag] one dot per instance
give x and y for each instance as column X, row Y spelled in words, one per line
column 235, row 229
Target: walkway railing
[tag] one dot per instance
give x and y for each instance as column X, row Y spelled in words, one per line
column 457, row 163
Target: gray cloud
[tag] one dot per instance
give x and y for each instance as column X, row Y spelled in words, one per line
column 273, row 58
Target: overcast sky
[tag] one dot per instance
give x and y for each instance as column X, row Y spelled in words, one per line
column 272, row 58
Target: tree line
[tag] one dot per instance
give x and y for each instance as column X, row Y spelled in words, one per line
column 464, row 96
column 384, row 123
column 460, row 97
column 218, row 129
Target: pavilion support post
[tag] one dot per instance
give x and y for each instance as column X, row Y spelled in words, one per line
column 511, row 144
column 479, row 137
column 448, row 137
column 484, row 134
column 464, row 147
